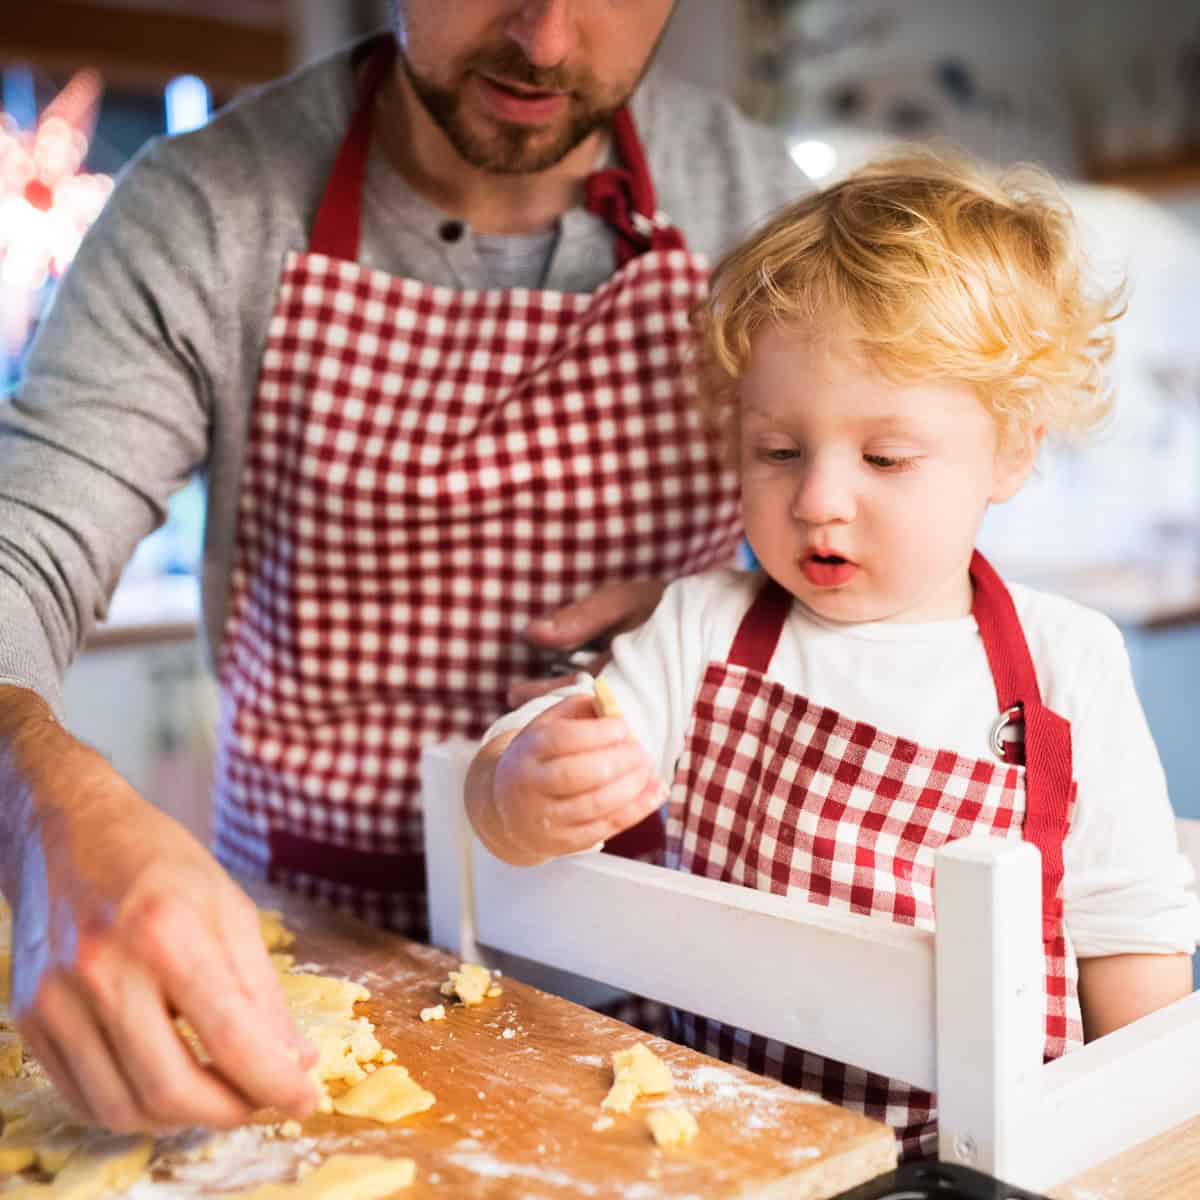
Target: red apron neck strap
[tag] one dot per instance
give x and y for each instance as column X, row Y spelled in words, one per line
column 758, row 634
column 1003, row 639
column 338, row 227
column 1047, row 753
column 624, row 197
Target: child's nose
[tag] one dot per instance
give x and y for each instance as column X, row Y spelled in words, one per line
column 824, row 496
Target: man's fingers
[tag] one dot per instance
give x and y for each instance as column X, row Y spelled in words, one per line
column 82, row 1060
column 171, row 1086
column 612, row 608
column 200, row 983
column 253, row 967
column 42, row 1047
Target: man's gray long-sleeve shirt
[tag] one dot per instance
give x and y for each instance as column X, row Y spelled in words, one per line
column 145, row 370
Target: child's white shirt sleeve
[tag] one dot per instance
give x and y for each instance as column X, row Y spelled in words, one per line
column 1127, row 888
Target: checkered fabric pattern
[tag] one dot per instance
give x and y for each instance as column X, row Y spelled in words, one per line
column 428, row 470
column 777, row 793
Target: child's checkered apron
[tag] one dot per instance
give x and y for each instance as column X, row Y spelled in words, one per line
column 428, row 470
column 777, row 793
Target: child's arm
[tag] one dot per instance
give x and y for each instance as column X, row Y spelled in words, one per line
column 564, row 783
column 1119, row 988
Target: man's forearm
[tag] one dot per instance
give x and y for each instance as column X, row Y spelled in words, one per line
column 30, row 739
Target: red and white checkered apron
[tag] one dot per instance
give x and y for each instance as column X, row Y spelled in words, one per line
column 428, row 470
column 778, row 793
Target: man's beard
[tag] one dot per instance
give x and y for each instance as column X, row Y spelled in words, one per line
column 511, row 149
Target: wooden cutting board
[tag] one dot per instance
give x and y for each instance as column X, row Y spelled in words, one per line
column 519, row 1080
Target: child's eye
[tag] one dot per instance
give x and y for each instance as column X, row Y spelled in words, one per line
column 887, row 462
column 778, row 454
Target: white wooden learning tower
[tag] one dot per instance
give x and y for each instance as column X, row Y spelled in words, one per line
column 958, row 1012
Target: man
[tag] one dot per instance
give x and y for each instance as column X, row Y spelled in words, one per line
column 423, row 319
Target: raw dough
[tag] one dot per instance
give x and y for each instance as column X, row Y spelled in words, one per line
column 40, row 1130
column 471, row 983
column 342, row 1177
column 605, row 701
column 275, row 934
column 672, row 1126
column 391, row 1094
column 637, row 1071
column 10, row 1052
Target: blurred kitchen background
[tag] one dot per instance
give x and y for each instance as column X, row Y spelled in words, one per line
column 1104, row 92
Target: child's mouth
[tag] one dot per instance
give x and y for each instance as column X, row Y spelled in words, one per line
column 828, row 570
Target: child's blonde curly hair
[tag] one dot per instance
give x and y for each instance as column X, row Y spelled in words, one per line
column 943, row 272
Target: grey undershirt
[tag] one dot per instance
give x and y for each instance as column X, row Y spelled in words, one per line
column 516, row 260
column 145, row 369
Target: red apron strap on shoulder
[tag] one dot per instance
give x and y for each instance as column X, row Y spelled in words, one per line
column 337, row 228
column 624, row 197
column 758, row 634
column 1048, row 767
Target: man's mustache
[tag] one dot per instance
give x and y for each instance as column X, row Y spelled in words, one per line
column 507, row 63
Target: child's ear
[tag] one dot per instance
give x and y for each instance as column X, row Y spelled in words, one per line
column 1014, row 465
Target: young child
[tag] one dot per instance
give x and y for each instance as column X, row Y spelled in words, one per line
column 883, row 360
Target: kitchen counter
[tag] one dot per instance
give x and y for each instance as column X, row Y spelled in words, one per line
column 523, row 1077
column 519, row 1080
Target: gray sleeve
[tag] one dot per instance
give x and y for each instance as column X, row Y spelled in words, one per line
column 111, row 417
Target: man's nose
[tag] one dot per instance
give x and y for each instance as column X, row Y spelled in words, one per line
column 544, row 30
column 824, row 494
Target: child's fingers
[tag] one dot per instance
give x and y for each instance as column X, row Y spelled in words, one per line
column 600, row 802
column 584, row 836
column 557, row 734
column 571, row 776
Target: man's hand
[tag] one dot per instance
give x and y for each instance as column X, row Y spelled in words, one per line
column 122, row 922
column 566, row 782
column 593, row 621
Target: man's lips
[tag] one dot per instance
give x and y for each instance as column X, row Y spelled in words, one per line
column 518, row 105
column 827, row 570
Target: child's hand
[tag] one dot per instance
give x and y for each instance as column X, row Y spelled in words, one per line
column 569, row 780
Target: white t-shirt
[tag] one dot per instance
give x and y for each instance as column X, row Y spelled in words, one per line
column 1126, row 886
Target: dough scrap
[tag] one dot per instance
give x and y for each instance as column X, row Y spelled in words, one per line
column 470, row 983
column 40, row 1130
column 321, row 993
column 672, row 1127
column 342, row 1177
column 10, row 1054
column 275, row 934
column 637, row 1071
column 436, row 1012
column 604, row 700
column 391, row 1094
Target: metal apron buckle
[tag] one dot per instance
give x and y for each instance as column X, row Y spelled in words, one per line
column 1012, row 715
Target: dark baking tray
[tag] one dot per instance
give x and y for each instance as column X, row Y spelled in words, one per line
column 937, row 1181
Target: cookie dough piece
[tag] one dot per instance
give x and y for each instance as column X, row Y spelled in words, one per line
column 672, row 1127
column 322, row 993
column 106, row 1162
column 391, row 1094
column 342, row 1177
column 470, row 983
column 275, row 934
column 637, row 1071
column 10, row 1053
column 604, row 700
